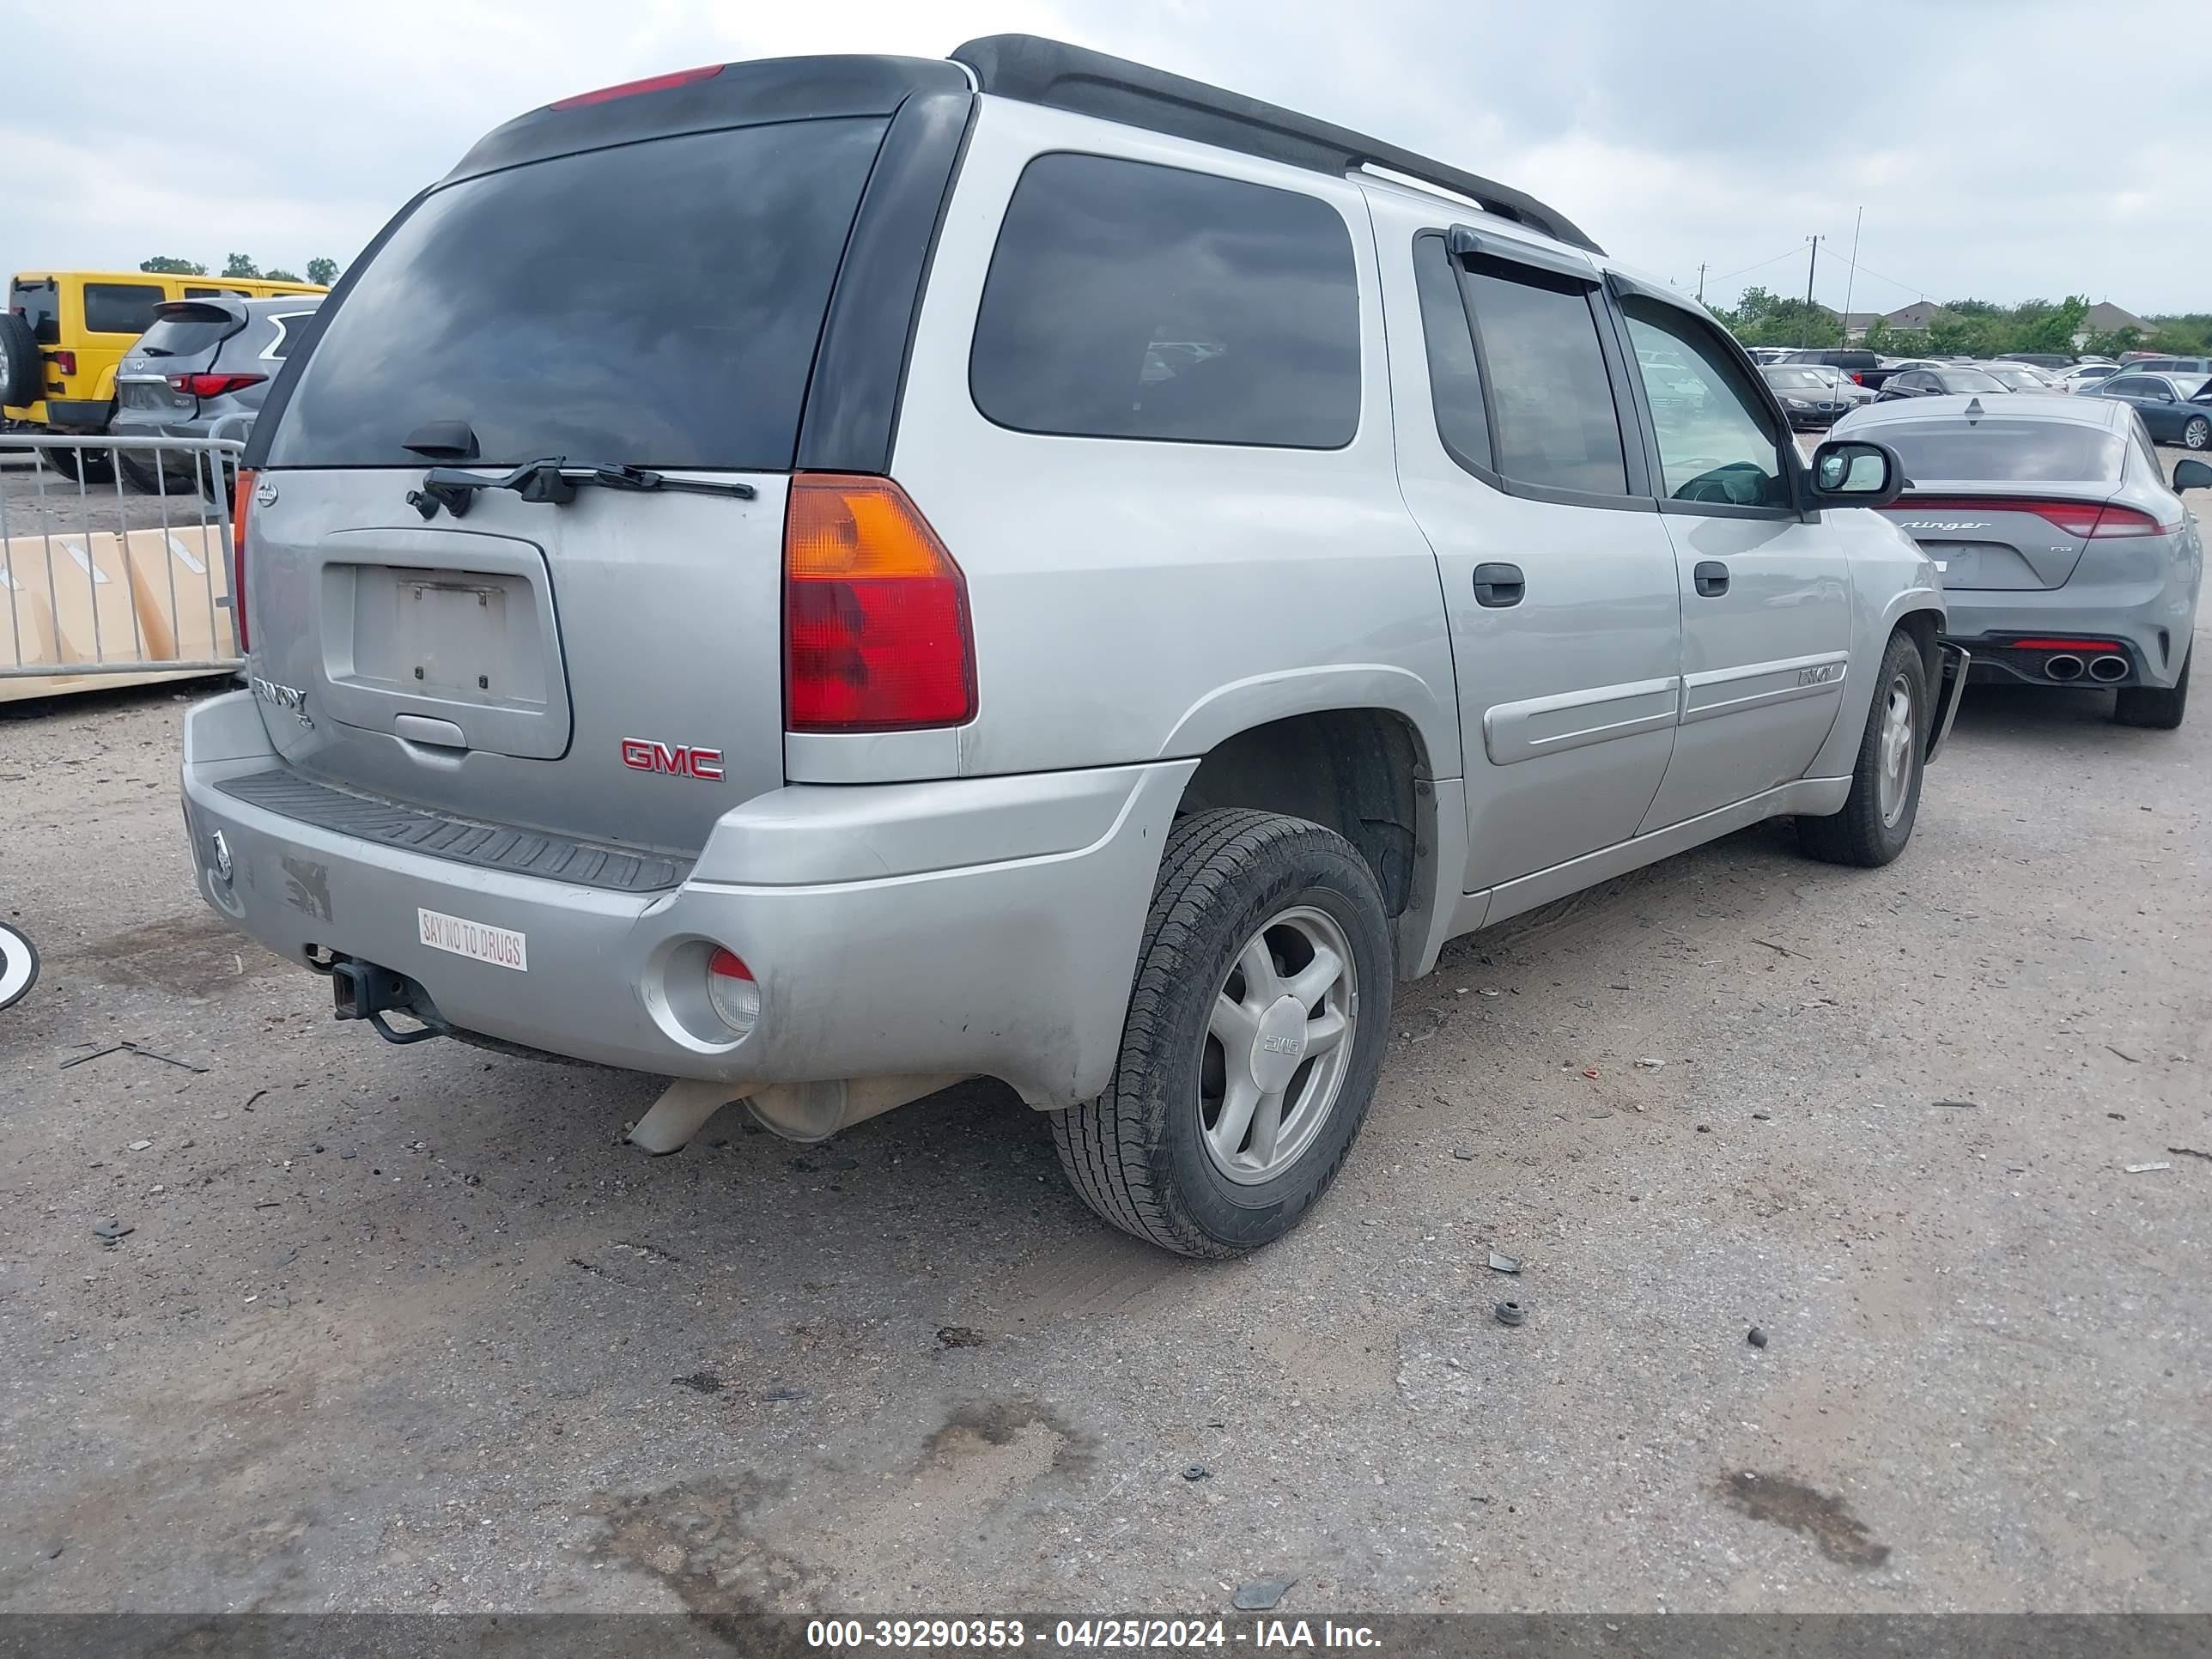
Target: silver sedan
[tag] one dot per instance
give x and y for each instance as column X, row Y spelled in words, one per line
column 2066, row 557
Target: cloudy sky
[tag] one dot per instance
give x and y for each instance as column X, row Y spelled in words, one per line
column 1675, row 131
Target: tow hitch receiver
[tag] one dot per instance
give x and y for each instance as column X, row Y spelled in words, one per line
column 361, row 990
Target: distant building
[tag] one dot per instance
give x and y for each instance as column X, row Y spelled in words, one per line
column 2105, row 318
column 1856, row 324
column 1915, row 317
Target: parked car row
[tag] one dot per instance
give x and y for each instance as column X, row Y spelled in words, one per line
column 200, row 352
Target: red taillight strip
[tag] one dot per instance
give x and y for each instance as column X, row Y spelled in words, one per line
column 241, row 500
column 2084, row 519
column 2058, row 645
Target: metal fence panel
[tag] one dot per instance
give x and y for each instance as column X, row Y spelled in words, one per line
column 116, row 578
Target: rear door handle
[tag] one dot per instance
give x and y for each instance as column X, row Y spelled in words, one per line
column 1713, row 578
column 1498, row 585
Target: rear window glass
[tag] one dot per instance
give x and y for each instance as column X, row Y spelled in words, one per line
column 2004, row 451
column 186, row 334
column 40, row 305
column 120, row 307
column 1131, row 300
column 656, row 303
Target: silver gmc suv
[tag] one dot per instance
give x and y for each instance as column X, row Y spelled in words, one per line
column 819, row 578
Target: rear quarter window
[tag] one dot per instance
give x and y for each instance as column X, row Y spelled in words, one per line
column 120, row 307
column 654, row 303
column 1126, row 300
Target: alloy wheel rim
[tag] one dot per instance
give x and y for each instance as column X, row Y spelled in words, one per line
column 1896, row 754
column 2198, row 434
column 1277, row 1045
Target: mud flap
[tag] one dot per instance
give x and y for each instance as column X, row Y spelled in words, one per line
column 1950, row 688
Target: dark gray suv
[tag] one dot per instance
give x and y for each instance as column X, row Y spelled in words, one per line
column 202, row 371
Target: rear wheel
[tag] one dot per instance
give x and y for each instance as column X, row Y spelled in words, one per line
column 1877, row 819
column 2197, row 434
column 142, row 473
column 2160, row 707
column 81, row 466
column 1255, row 1034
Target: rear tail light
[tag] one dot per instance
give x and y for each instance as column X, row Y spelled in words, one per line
column 631, row 88
column 2062, row 645
column 875, row 612
column 733, row 991
column 213, row 386
column 66, row 361
column 1857, row 380
column 2085, row 519
column 241, row 500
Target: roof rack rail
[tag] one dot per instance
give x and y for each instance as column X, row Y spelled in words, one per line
column 1035, row 70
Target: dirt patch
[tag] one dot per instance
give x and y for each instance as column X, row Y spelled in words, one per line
column 697, row 1539
column 1828, row 1522
column 191, row 956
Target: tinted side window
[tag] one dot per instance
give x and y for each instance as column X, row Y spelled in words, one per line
column 1454, row 377
column 1131, row 300
column 1715, row 440
column 1556, row 425
column 120, row 307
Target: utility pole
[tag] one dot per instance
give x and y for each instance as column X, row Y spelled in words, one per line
column 1852, row 281
column 1804, row 331
column 1701, row 282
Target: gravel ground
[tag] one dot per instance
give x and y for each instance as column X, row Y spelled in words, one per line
column 408, row 1329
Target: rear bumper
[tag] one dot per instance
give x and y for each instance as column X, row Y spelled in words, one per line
column 982, row 926
column 2152, row 629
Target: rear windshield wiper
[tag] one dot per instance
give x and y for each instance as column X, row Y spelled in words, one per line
column 555, row 483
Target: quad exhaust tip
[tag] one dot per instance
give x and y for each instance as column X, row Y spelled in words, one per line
column 2063, row 666
column 2108, row 669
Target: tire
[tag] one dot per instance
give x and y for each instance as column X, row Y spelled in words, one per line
column 144, row 476
column 2159, row 707
column 1158, row 1154
column 90, row 466
column 22, row 371
column 2197, row 434
column 1873, row 828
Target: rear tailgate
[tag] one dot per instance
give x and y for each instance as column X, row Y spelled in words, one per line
column 608, row 668
column 183, row 340
column 1997, row 542
column 2001, row 502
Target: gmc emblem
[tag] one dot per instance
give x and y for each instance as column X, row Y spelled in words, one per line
column 644, row 754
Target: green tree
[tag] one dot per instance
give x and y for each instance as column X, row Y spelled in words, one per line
column 170, row 265
column 2184, row 336
column 324, row 271
column 2112, row 342
column 2039, row 327
column 278, row 274
column 1763, row 318
column 1887, row 342
column 240, row 265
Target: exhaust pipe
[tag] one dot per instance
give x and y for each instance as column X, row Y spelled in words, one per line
column 2063, row 666
column 2108, row 669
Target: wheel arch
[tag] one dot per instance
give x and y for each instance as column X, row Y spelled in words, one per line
column 1364, row 771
